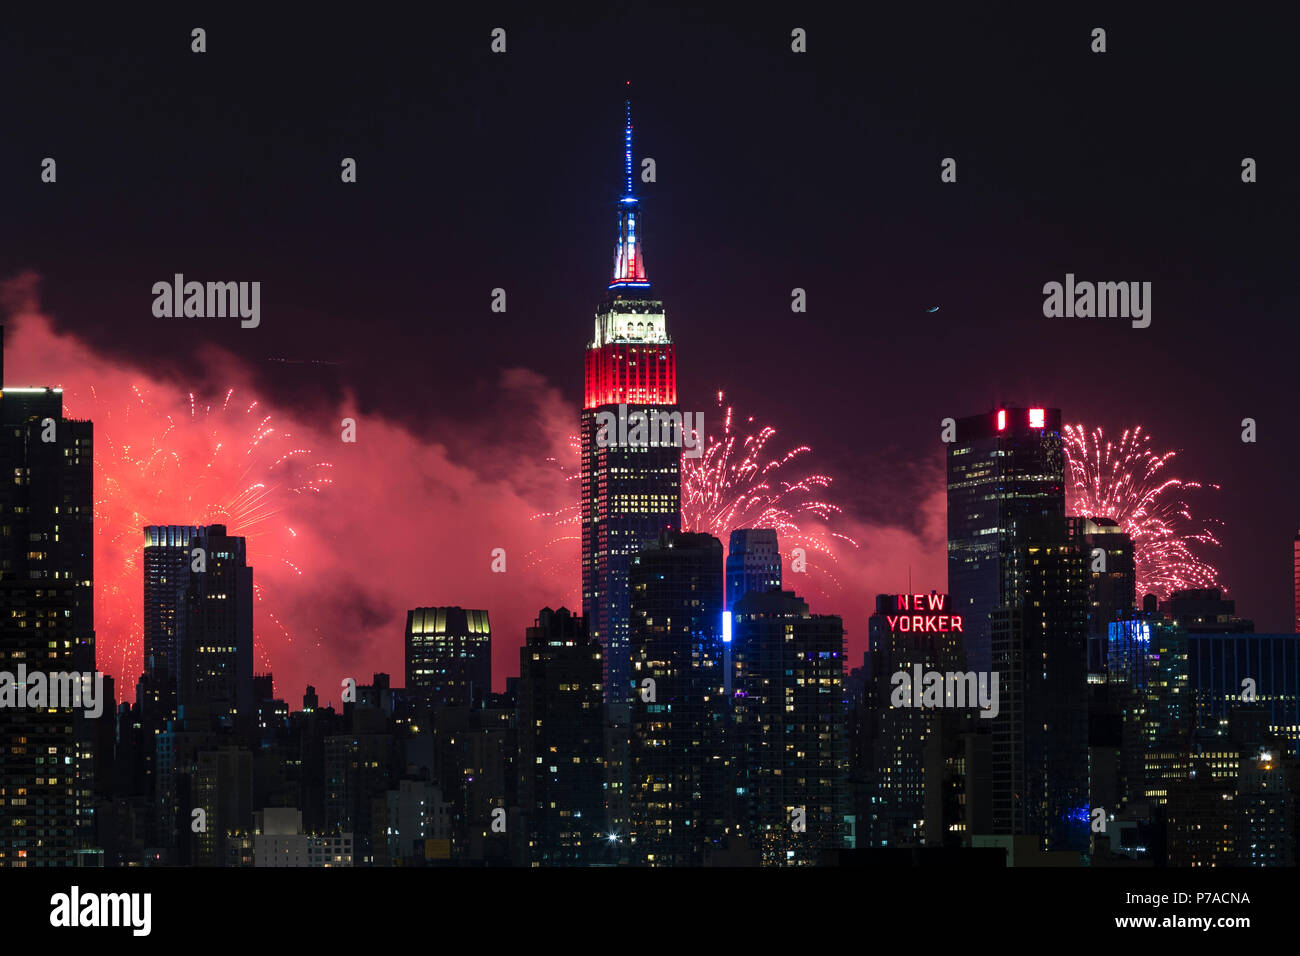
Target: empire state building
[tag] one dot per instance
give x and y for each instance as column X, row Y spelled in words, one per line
column 630, row 492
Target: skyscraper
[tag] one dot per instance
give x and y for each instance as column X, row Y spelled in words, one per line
column 904, row 734
column 448, row 656
column 1112, row 588
column 1001, row 465
column 789, row 714
column 1040, row 654
column 678, row 766
column 753, row 563
column 562, row 741
column 198, row 625
column 631, row 491
column 46, row 625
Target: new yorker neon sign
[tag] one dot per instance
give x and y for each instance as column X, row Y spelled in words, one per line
column 928, row 617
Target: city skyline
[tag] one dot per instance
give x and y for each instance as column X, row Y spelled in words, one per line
column 824, row 177
column 920, row 497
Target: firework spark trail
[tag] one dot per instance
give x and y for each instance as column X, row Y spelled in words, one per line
column 734, row 485
column 729, row 486
column 217, row 465
column 1128, row 482
column 554, row 559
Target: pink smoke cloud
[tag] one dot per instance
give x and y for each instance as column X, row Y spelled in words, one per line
column 398, row 521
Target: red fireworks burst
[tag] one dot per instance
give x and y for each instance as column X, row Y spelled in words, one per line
column 1129, row 483
column 735, row 484
column 223, row 463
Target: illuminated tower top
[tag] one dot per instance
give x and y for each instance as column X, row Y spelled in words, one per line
column 630, row 357
column 629, row 263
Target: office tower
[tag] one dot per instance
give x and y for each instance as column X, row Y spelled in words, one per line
column 678, row 768
column 1204, row 611
column 1040, row 648
column 631, row 488
column 1295, row 572
column 1112, row 584
column 198, row 626
column 562, row 741
column 753, row 563
column 448, row 656
column 905, row 733
column 46, row 626
column 1148, row 674
column 1002, row 465
column 788, row 721
column 166, row 579
column 1230, row 672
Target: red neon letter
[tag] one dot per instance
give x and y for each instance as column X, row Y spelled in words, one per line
column 956, row 622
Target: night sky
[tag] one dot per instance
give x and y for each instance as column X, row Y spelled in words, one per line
column 775, row 170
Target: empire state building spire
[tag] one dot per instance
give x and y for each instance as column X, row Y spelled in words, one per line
column 629, row 263
column 631, row 492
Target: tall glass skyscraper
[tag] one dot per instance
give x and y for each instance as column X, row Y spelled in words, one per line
column 1003, row 465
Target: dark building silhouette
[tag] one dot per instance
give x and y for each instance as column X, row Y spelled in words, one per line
column 788, row 719
column 46, row 626
column 1002, row 465
column 913, row 745
column 1205, row 611
column 1040, row 647
column 1112, row 584
column 753, row 563
column 562, row 742
column 198, row 626
column 678, row 765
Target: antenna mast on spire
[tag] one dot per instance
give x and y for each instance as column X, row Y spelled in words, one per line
column 627, row 140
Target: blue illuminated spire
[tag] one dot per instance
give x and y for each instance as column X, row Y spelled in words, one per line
column 629, row 267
